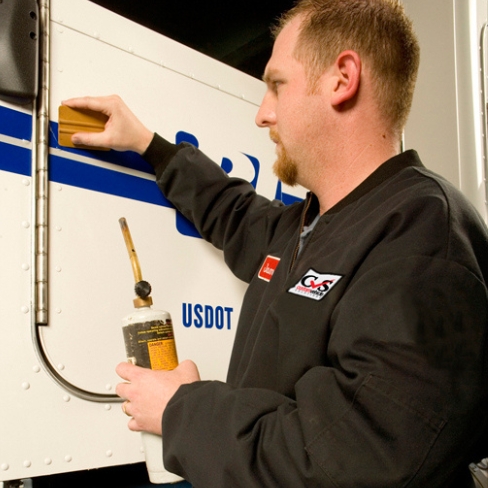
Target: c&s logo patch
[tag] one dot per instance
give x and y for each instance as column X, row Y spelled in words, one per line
column 315, row 285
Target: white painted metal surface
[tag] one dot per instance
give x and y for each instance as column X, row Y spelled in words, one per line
column 43, row 428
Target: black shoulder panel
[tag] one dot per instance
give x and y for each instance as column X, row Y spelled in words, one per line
column 19, row 50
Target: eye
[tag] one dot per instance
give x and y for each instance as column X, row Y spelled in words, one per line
column 273, row 80
column 275, row 84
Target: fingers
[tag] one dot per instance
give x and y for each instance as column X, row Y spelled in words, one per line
column 127, row 370
column 123, row 130
column 126, row 391
column 147, row 392
column 90, row 139
column 133, row 424
column 144, row 397
column 122, row 390
column 106, row 105
column 98, row 104
column 187, row 371
column 125, row 406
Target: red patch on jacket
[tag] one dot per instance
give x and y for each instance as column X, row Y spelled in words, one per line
column 268, row 268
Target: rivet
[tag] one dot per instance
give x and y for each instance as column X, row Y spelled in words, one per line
column 60, row 366
column 25, row 224
column 66, row 398
column 25, row 385
column 108, row 386
column 24, row 309
column 68, row 458
column 36, row 369
column 108, row 407
column 48, row 461
column 25, row 267
column 4, row 466
column 27, row 464
column 26, row 182
column 109, row 453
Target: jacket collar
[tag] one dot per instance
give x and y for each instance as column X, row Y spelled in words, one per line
column 388, row 169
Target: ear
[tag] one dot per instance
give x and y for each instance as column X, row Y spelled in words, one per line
column 347, row 70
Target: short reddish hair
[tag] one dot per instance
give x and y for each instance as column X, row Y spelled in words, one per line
column 378, row 30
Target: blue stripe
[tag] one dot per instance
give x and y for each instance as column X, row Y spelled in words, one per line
column 15, row 124
column 15, row 159
column 127, row 159
column 66, row 171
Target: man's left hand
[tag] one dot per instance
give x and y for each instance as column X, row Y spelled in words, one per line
column 147, row 392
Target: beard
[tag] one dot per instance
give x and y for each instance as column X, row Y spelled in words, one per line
column 284, row 167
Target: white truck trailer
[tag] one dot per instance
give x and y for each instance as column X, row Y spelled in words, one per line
column 66, row 277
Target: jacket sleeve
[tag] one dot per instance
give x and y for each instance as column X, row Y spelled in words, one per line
column 400, row 392
column 226, row 211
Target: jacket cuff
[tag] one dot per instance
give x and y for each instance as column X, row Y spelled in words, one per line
column 159, row 154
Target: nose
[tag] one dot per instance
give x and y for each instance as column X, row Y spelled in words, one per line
column 266, row 115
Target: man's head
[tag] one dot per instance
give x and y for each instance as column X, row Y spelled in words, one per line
column 378, row 30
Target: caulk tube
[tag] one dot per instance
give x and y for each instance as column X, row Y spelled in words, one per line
column 149, row 342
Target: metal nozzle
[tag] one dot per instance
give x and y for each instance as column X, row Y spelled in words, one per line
column 142, row 288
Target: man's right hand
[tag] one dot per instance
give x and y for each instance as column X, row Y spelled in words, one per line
column 123, row 130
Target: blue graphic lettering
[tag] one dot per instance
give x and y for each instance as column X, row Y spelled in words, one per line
column 206, row 316
column 286, row 198
column 255, row 164
column 227, row 165
column 186, row 315
column 219, row 318
column 198, row 316
column 182, row 136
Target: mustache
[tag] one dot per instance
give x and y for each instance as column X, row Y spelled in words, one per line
column 273, row 135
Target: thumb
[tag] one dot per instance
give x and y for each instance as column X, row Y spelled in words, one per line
column 88, row 139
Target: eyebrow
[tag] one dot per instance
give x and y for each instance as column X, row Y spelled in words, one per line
column 269, row 75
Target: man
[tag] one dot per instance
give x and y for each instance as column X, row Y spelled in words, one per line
column 361, row 362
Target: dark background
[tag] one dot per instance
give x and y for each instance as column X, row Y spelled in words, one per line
column 235, row 32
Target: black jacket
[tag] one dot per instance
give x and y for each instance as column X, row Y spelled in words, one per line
column 362, row 361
